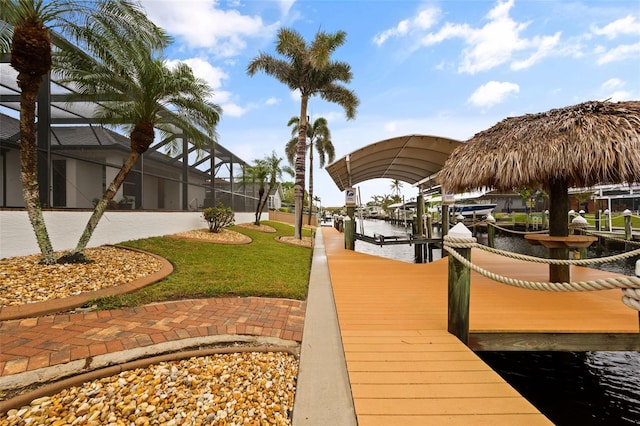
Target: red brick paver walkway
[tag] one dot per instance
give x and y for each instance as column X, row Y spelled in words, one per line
column 33, row 343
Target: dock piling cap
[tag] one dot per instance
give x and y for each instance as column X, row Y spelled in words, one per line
column 460, row 231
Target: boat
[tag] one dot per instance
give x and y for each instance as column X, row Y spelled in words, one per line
column 471, row 209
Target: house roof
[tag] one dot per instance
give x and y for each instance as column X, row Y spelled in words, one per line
column 64, row 113
column 410, row 158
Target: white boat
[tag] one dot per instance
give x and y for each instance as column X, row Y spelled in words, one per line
column 471, row 209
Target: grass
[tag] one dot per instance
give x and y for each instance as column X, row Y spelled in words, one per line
column 265, row 267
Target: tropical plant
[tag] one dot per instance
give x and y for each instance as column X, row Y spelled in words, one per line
column 256, row 175
column 319, row 136
column 138, row 92
column 26, row 33
column 264, row 170
column 396, row 187
column 218, row 217
column 310, row 70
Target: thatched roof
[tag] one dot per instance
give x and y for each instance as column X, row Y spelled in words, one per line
column 587, row 144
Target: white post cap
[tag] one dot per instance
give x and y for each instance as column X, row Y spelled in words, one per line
column 460, row 231
column 579, row 220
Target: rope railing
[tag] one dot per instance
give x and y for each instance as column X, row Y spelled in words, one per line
column 630, row 286
column 609, row 237
column 513, row 231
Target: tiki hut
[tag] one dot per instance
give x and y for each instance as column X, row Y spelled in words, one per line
column 577, row 146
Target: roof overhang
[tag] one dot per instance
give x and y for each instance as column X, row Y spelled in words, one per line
column 410, row 159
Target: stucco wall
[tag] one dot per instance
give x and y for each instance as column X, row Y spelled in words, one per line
column 65, row 227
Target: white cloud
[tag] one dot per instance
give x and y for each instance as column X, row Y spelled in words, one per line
column 424, row 20
column 200, row 24
column 492, row 93
column 624, row 26
column 391, row 126
column 233, row 110
column 203, row 69
column 619, row 53
column 619, row 95
column 613, row 83
column 498, row 42
column 546, row 47
column 495, row 43
column 285, row 6
column 613, row 89
column 272, row 101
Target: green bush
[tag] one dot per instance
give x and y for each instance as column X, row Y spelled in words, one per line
column 218, row 217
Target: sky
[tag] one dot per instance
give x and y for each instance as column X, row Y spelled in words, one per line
column 446, row 68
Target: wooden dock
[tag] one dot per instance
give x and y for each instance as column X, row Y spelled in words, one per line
column 403, row 365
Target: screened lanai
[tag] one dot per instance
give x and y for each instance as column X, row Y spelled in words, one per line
column 77, row 158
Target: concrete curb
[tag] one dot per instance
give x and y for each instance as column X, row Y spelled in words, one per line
column 81, row 366
column 323, row 395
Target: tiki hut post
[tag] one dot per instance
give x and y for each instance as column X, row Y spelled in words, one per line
column 558, row 227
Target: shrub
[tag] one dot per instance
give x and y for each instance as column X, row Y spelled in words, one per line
column 218, row 217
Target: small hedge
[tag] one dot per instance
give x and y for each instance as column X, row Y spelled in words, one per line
column 218, row 217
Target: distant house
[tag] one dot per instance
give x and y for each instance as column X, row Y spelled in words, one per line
column 82, row 160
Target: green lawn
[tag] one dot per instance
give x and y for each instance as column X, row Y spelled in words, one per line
column 265, row 267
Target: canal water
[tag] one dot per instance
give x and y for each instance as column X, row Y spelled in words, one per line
column 570, row 388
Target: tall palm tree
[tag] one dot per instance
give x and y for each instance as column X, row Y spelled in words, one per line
column 139, row 93
column 396, row 187
column 319, row 136
column 26, row 32
column 310, row 70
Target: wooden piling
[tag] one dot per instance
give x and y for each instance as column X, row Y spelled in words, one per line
column 459, row 294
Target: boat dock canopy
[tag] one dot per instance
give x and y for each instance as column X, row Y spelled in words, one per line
column 410, row 159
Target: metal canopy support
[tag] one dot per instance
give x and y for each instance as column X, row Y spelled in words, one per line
column 43, row 140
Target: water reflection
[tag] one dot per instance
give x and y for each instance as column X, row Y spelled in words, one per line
column 503, row 241
column 570, row 388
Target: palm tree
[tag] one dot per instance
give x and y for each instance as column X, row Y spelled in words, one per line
column 396, row 186
column 257, row 174
column 310, row 70
column 265, row 169
column 320, row 137
column 139, row 93
column 26, row 31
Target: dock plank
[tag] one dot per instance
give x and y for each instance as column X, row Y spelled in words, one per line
column 403, row 365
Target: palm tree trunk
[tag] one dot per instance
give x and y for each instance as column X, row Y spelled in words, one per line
column 29, row 164
column 300, row 168
column 264, row 202
column 558, row 227
column 100, row 208
column 259, row 206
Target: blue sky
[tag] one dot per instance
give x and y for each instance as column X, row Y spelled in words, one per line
column 446, row 68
